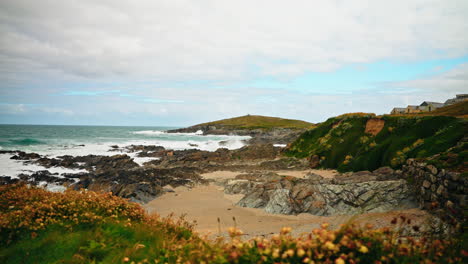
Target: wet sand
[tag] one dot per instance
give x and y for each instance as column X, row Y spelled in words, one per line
column 204, row 204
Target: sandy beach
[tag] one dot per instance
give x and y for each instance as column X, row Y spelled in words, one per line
column 204, row 204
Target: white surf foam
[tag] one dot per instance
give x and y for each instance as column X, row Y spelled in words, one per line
column 158, row 132
column 279, row 145
column 149, row 132
column 179, row 141
column 141, row 160
column 13, row 168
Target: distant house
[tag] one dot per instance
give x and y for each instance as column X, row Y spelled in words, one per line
column 457, row 99
column 398, row 110
column 413, row 109
column 430, row 106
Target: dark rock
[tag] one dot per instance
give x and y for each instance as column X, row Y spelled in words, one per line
column 25, row 156
column 314, row 161
column 8, row 180
column 139, row 184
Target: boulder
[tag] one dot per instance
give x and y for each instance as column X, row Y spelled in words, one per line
column 314, row 161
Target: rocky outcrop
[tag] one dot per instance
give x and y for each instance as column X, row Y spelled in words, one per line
column 351, row 194
column 140, row 184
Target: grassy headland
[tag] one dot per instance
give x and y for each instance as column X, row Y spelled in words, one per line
column 347, row 143
column 258, row 122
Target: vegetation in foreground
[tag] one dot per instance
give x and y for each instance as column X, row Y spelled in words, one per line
column 37, row 226
column 342, row 143
column 259, row 122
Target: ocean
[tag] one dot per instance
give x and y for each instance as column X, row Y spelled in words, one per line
column 54, row 141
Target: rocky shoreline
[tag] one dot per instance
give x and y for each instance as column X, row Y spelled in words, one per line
column 350, row 193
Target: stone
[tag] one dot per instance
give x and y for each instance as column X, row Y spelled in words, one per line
column 410, row 162
column 426, row 184
column 314, row 161
column 432, row 169
column 446, row 183
column 279, row 203
column 449, row 204
column 433, row 178
column 440, row 190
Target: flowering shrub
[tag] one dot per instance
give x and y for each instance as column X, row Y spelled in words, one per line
column 101, row 228
column 349, row 244
column 23, row 208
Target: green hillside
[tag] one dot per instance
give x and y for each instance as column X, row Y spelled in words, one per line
column 342, row 143
column 258, row 122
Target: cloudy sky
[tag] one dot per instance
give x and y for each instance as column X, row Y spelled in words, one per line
column 177, row 63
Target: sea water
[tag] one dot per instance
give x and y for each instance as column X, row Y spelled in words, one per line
column 53, row 141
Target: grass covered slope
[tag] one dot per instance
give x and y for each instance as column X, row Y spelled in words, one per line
column 258, row 122
column 37, row 226
column 342, row 142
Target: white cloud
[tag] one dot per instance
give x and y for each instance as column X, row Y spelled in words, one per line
column 443, row 84
column 12, row 108
column 141, row 60
column 55, row 110
column 221, row 40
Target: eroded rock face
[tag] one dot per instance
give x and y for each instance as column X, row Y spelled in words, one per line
column 374, row 126
column 320, row 196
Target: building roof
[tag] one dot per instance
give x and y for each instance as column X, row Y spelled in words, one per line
column 431, row 103
column 413, row 106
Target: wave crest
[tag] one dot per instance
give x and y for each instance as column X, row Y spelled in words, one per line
column 149, row 132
